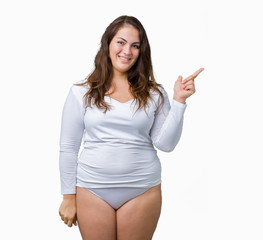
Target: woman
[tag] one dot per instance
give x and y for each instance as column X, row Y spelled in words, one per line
column 113, row 189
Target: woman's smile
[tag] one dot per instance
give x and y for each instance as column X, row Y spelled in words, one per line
column 124, row 59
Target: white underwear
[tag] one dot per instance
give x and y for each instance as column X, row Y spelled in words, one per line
column 116, row 197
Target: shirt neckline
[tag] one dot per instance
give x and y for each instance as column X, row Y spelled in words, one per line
column 119, row 101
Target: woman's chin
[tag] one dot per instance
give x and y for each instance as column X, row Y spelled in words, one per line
column 123, row 70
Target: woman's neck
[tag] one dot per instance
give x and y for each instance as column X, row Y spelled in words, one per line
column 120, row 79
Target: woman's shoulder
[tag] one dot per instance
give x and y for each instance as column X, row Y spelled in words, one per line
column 79, row 90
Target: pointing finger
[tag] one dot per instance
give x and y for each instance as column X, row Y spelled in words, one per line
column 197, row 72
column 193, row 76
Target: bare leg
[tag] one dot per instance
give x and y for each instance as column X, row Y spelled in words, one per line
column 137, row 219
column 96, row 218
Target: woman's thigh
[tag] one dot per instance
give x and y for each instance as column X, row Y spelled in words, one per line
column 137, row 219
column 96, row 218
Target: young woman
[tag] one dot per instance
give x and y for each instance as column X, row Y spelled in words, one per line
column 113, row 189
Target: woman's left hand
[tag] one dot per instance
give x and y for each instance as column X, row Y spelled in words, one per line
column 185, row 88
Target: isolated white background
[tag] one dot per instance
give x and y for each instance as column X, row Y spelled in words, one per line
column 212, row 181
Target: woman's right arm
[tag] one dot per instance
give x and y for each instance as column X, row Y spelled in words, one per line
column 72, row 128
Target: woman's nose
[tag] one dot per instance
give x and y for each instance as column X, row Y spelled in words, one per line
column 127, row 49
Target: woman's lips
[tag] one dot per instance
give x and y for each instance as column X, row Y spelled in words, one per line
column 124, row 59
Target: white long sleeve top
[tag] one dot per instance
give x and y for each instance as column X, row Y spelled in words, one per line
column 118, row 147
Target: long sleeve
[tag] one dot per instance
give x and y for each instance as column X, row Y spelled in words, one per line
column 168, row 124
column 72, row 128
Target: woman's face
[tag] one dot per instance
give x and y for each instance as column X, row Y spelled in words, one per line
column 124, row 49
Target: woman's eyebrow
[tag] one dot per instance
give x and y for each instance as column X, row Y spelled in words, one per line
column 126, row 40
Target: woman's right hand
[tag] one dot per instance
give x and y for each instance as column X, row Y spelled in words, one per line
column 68, row 210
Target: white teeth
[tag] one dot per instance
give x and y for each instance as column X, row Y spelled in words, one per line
column 124, row 58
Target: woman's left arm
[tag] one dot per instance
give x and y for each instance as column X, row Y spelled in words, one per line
column 168, row 123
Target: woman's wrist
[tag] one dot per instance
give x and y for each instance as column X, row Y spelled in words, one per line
column 69, row 196
column 178, row 99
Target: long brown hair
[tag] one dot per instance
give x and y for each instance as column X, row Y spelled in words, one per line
column 140, row 75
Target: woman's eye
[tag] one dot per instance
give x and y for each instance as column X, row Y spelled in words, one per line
column 120, row 42
column 136, row 46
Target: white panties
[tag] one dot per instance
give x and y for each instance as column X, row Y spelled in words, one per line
column 116, row 197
